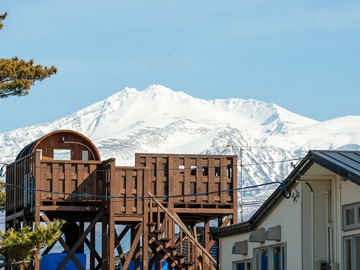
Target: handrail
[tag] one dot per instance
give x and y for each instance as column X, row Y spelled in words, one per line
column 178, row 221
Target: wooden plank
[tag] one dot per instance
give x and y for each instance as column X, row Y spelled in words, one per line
column 214, row 211
column 129, row 187
column 209, row 245
column 69, row 208
column 81, row 239
column 160, row 177
column 14, row 216
column 139, row 192
column 115, row 190
column 55, row 181
column 92, row 183
column 118, row 244
column 134, row 245
column 122, row 180
column 211, row 180
column 49, row 182
column 67, row 182
column 234, row 186
column 174, row 177
column 169, row 163
column 92, row 248
column 80, row 176
column 198, row 179
column 223, row 180
column 62, row 242
column 112, row 234
column 145, row 243
column 178, row 221
column 187, row 189
column 104, row 241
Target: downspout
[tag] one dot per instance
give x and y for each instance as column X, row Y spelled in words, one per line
column 302, row 226
column 299, row 180
column 312, row 225
column 339, row 224
column 328, row 229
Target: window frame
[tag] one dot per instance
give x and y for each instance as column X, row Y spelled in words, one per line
column 353, row 255
column 62, row 154
column 270, row 254
column 235, row 263
column 356, row 209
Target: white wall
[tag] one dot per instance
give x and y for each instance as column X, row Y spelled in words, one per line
column 287, row 212
column 350, row 192
column 294, row 216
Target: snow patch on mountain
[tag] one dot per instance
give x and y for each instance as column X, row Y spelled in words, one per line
column 266, row 137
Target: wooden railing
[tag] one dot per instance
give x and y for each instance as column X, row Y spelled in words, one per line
column 125, row 188
column 186, row 180
column 19, row 174
column 186, row 245
column 57, row 182
column 70, row 181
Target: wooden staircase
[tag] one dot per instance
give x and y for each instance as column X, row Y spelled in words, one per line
column 171, row 239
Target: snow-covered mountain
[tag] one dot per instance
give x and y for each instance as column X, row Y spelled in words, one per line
column 158, row 119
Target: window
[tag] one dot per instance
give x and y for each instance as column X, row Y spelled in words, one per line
column 85, row 155
column 62, row 154
column 351, row 216
column 352, row 252
column 244, row 265
column 270, row 258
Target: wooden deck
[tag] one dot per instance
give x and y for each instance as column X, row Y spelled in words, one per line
column 162, row 195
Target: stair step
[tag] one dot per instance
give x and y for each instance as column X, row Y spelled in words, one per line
column 151, row 223
column 166, row 239
column 181, row 255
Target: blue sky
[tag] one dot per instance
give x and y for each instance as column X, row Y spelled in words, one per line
column 301, row 55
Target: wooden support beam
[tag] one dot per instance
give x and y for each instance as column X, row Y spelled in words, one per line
column 145, row 242
column 118, row 244
column 81, row 239
column 62, row 242
column 38, row 187
column 134, row 245
column 92, row 248
column 177, row 219
column 209, row 245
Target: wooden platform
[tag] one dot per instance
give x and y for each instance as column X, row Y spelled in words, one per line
column 160, row 201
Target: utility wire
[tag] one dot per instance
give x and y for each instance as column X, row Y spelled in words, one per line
column 146, row 169
column 281, row 185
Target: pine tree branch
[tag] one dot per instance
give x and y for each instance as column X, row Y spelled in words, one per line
column 17, row 76
column 2, row 17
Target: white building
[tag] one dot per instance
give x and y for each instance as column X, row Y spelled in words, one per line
column 318, row 227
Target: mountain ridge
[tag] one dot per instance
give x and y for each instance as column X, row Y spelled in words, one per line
column 160, row 120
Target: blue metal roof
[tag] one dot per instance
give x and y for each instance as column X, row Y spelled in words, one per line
column 344, row 163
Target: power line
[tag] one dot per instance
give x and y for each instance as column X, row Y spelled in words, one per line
column 146, row 169
column 241, row 149
column 281, row 185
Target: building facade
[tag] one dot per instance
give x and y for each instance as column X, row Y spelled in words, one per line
column 317, row 226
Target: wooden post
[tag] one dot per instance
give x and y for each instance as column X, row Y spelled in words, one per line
column 37, row 176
